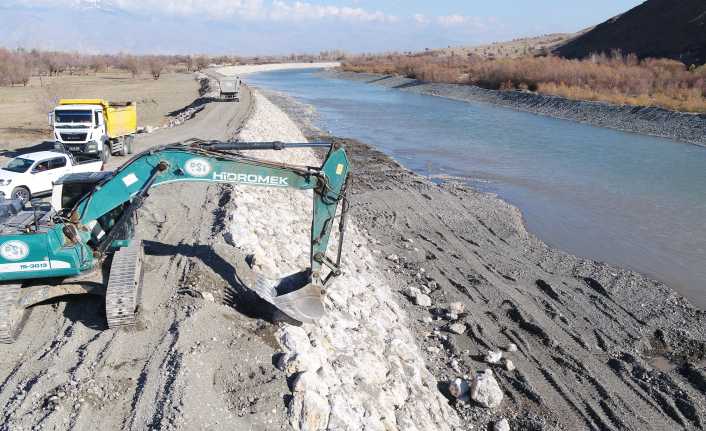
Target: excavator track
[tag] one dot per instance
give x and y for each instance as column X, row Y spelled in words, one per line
column 124, row 291
column 13, row 316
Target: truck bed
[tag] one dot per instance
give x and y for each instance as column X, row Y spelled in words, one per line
column 121, row 120
column 87, row 165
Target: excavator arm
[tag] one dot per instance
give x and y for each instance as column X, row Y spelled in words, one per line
column 114, row 201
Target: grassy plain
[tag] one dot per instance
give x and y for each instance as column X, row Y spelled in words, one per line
column 23, row 110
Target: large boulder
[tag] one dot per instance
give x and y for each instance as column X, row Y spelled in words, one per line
column 485, row 390
column 309, row 411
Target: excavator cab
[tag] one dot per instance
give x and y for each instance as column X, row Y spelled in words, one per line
column 70, row 189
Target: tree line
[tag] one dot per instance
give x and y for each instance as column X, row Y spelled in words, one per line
column 615, row 78
column 19, row 65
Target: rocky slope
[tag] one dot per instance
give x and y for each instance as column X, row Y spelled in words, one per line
column 359, row 367
column 655, row 28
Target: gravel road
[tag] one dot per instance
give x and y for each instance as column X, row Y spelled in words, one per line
column 191, row 363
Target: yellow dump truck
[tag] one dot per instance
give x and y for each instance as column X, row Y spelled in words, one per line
column 94, row 127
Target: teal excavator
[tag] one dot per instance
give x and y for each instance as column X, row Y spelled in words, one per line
column 84, row 242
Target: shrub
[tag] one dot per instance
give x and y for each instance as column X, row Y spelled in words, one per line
column 615, row 78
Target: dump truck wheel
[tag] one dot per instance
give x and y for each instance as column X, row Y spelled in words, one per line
column 128, row 144
column 124, row 292
column 13, row 316
column 105, row 155
column 123, row 150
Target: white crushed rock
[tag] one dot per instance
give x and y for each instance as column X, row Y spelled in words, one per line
column 422, row 300
column 457, row 308
column 502, row 425
column 493, row 357
column 457, row 328
column 371, row 374
column 485, row 390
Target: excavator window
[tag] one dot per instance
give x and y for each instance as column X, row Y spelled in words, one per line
column 73, row 192
column 76, row 186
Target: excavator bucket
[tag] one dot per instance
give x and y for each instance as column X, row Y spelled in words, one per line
column 293, row 295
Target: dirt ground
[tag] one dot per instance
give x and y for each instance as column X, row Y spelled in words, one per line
column 23, row 110
column 192, row 363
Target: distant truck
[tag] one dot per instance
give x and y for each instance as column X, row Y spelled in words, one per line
column 230, row 88
column 94, row 127
column 32, row 175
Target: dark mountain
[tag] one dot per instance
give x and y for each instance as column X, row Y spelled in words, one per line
column 657, row 28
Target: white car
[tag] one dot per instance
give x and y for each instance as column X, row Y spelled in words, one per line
column 33, row 174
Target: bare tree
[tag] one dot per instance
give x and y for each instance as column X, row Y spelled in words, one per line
column 131, row 64
column 156, row 66
column 201, row 62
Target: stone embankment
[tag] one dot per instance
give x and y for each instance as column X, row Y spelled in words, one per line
column 360, row 366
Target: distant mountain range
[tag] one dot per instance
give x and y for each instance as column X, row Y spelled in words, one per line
column 657, row 28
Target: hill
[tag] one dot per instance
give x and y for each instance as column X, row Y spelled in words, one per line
column 520, row 47
column 673, row 29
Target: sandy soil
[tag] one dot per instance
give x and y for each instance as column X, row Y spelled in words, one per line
column 253, row 68
column 23, row 110
column 599, row 347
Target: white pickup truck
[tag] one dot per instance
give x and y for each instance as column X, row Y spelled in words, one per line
column 33, row 174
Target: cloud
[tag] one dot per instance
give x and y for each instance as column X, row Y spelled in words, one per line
column 282, row 10
column 421, row 18
column 468, row 22
column 276, row 10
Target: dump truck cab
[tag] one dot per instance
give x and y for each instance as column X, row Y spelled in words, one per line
column 80, row 128
column 94, row 127
column 230, row 88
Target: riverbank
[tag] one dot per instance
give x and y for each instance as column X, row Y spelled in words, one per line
column 590, row 356
column 684, row 127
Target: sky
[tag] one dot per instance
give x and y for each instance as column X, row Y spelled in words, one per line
column 266, row 27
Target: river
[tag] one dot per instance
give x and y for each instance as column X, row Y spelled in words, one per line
column 627, row 199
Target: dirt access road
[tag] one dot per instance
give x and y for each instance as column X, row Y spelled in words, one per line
column 190, row 364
